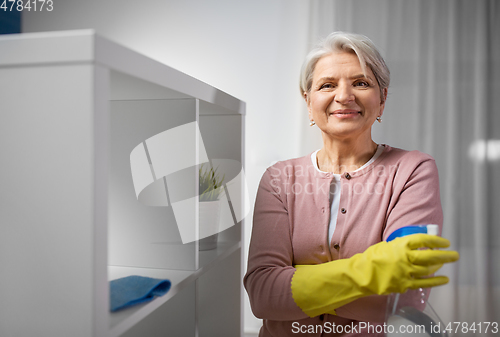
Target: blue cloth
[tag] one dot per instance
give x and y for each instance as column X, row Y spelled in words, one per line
column 132, row 290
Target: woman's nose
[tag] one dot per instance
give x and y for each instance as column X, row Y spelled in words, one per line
column 344, row 94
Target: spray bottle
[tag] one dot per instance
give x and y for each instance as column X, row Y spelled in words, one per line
column 411, row 309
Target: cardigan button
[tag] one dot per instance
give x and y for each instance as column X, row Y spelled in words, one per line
column 343, row 211
column 347, row 175
column 336, row 246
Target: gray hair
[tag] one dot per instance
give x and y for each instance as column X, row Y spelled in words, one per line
column 358, row 44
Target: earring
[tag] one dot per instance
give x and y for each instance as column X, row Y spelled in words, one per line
column 312, row 123
column 379, row 119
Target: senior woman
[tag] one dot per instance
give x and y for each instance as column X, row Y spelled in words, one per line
column 317, row 254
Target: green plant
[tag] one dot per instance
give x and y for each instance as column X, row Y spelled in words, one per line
column 210, row 184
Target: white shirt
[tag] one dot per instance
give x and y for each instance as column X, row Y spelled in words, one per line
column 335, row 188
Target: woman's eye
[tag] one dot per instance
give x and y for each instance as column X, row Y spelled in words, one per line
column 361, row 84
column 326, row 86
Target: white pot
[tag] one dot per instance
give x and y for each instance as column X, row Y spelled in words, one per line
column 209, row 224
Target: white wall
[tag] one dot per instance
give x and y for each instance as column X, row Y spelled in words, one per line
column 250, row 49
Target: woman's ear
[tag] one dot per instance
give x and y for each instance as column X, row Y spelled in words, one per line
column 382, row 101
column 384, row 96
column 306, row 98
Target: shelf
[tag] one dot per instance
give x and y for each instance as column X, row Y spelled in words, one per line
column 209, row 258
column 122, row 320
column 86, row 103
column 85, row 47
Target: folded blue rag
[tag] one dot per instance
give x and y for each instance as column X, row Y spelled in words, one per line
column 133, row 290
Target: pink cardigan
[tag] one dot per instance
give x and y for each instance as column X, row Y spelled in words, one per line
column 290, row 227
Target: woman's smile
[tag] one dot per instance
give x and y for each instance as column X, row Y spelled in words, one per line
column 345, row 113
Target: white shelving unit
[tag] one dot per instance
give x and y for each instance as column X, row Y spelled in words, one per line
column 74, row 106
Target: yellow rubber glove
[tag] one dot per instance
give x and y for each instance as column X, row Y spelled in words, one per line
column 384, row 268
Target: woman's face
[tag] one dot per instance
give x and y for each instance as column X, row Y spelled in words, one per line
column 342, row 101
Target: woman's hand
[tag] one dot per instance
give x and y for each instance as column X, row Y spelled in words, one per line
column 384, row 268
